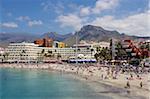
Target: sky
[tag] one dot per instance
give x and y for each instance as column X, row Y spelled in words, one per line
column 67, row 16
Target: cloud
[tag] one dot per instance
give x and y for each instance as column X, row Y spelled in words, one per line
column 48, row 6
column 35, row 23
column 29, row 21
column 81, row 15
column 70, row 20
column 85, row 11
column 104, row 5
column 100, row 6
column 77, row 19
column 136, row 24
column 23, row 18
column 133, row 24
column 9, row 25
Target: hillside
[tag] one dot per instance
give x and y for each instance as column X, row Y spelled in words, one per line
column 95, row 33
column 6, row 38
column 56, row 36
column 87, row 33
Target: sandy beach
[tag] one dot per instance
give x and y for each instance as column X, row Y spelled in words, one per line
column 100, row 75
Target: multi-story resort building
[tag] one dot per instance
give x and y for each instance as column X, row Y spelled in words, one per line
column 2, row 50
column 130, row 50
column 93, row 44
column 21, row 52
column 47, row 50
column 133, row 49
column 26, row 52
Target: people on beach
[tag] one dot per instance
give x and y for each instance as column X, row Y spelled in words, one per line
column 102, row 76
column 108, row 73
column 127, row 85
column 141, row 84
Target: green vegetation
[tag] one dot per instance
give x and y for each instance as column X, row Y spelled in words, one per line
column 102, row 54
column 120, row 53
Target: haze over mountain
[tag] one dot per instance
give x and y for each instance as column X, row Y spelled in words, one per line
column 87, row 33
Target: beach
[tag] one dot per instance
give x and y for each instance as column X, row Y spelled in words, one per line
column 114, row 79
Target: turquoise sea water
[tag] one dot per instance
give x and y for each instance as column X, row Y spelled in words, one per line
column 38, row 84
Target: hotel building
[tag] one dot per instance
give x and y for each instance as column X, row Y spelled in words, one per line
column 22, row 52
column 2, row 51
column 30, row 52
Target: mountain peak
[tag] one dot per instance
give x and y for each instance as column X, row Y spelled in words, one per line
column 56, row 36
column 49, row 34
column 89, row 27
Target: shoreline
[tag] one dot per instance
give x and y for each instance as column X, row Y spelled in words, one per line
column 113, row 85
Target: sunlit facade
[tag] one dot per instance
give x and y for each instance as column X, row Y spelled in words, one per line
column 30, row 52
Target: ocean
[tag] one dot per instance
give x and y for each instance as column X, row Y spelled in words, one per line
column 40, row 84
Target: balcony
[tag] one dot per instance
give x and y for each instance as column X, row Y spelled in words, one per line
column 125, row 46
column 133, row 54
column 128, row 50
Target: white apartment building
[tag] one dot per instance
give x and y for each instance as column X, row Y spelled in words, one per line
column 2, row 50
column 101, row 44
column 93, row 44
column 22, row 52
column 65, row 53
column 30, row 52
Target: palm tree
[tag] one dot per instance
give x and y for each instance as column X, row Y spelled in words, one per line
column 42, row 54
column 98, row 49
column 58, row 56
column 55, row 53
column 103, row 54
column 38, row 58
column 74, row 52
column 20, row 56
column 148, row 47
column 120, row 51
column 23, row 52
column 88, row 49
column 91, row 52
column 43, row 51
column 96, row 56
column 0, row 57
column 5, row 56
column 78, row 49
column 49, row 54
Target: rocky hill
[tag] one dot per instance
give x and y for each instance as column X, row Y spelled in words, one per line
column 87, row 33
column 56, row 36
column 96, row 33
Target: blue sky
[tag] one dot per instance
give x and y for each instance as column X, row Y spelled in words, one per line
column 65, row 16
